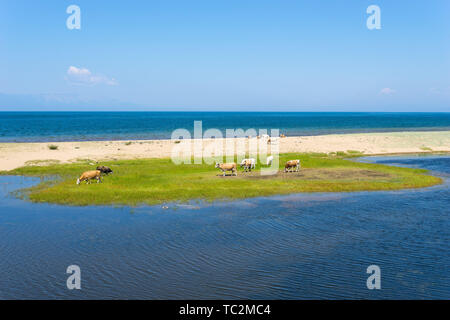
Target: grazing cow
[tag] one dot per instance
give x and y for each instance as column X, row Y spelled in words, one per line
column 292, row 165
column 104, row 170
column 269, row 160
column 89, row 175
column 248, row 164
column 227, row 167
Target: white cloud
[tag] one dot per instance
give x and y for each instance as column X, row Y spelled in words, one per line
column 387, row 91
column 82, row 76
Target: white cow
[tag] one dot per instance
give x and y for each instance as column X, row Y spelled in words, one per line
column 248, row 163
column 269, row 160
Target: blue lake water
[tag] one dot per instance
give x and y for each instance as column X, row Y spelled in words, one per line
column 299, row 246
column 76, row 126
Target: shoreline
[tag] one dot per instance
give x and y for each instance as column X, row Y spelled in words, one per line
column 14, row 155
column 317, row 134
column 158, row 181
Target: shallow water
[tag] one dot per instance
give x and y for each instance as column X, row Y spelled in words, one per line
column 286, row 247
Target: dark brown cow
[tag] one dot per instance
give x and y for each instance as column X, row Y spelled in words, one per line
column 104, row 170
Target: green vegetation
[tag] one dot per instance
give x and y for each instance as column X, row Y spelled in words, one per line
column 156, row 181
column 53, row 147
column 354, row 152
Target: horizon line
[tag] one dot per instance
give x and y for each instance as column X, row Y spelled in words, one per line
column 224, row 111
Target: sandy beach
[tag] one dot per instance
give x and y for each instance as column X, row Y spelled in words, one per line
column 14, row 155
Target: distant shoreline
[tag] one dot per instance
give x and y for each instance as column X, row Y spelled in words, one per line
column 14, row 155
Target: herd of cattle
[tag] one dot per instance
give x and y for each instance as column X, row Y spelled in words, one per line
column 247, row 164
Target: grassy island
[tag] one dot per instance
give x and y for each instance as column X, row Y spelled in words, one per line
column 156, row 181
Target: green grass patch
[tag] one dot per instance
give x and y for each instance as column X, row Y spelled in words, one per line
column 156, row 181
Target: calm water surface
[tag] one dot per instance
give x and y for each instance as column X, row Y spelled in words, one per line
column 288, row 247
column 76, row 126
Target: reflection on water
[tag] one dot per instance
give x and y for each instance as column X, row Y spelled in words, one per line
column 288, row 247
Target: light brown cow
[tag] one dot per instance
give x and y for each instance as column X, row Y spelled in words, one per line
column 227, row 167
column 89, row 175
column 292, row 165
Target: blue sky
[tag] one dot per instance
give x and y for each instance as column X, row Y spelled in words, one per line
column 225, row 55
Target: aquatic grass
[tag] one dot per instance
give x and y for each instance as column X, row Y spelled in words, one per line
column 157, row 181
